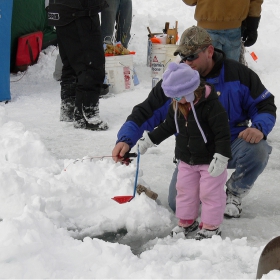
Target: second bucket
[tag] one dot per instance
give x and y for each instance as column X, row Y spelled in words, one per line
column 161, row 56
column 119, row 73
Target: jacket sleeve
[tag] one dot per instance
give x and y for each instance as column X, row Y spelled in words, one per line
column 264, row 116
column 255, row 8
column 165, row 129
column 261, row 107
column 145, row 116
column 190, row 2
column 249, row 99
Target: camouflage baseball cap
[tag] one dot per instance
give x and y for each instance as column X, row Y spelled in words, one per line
column 192, row 39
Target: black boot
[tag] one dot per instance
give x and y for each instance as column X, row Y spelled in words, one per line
column 91, row 105
column 81, row 122
column 67, row 109
column 79, row 119
column 91, row 112
column 68, row 92
column 86, row 113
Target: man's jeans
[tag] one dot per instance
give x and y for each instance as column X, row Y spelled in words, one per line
column 248, row 160
column 227, row 40
column 119, row 14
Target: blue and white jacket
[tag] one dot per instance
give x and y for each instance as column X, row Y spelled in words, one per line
column 241, row 92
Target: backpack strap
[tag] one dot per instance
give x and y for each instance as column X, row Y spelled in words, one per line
column 39, row 41
column 30, row 52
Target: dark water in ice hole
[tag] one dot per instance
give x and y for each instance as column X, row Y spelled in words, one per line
column 137, row 244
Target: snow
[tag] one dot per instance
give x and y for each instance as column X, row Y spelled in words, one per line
column 53, row 207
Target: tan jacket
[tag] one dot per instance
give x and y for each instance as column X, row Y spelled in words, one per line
column 224, row 14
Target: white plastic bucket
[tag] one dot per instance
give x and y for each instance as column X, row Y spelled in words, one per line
column 169, row 56
column 149, row 53
column 157, row 60
column 161, row 56
column 119, row 73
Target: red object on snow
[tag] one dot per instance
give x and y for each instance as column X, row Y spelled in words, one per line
column 28, row 50
column 123, row 199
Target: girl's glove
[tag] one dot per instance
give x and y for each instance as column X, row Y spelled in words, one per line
column 217, row 165
column 145, row 143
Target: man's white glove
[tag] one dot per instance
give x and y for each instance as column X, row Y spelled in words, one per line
column 217, row 165
column 145, row 143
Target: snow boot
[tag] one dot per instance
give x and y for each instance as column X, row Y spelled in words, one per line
column 81, row 122
column 233, row 206
column 68, row 93
column 86, row 113
column 90, row 103
column 91, row 112
column 185, row 230
column 79, row 119
column 97, row 124
column 207, row 233
column 67, row 109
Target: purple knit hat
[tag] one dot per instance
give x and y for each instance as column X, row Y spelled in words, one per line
column 181, row 80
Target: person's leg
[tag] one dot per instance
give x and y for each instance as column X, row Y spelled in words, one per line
column 212, row 197
column 90, row 78
column 108, row 18
column 217, row 38
column 187, row 199
column 213, row 202
column 232, row 45
column 227, row 40
column 86, row 57
column 123, row 22
column 68, row 81
column 172, row 190
column 249, row 161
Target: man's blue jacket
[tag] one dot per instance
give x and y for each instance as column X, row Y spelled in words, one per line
column 240, row 90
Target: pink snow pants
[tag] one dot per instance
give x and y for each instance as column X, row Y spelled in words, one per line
column 194, row 184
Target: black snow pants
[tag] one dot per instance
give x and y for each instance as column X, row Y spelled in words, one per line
column 82, row 55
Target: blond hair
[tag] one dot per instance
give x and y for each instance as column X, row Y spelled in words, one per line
column 185, row 108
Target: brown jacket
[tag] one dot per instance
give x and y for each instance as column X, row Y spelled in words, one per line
column 224, row 14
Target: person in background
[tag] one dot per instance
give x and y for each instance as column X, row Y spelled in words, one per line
column 117, row 16
column 249, row 105
column 82, row 55
column 202, row 147
column 229, row 21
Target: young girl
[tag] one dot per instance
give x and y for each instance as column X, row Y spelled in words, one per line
column 202, row 148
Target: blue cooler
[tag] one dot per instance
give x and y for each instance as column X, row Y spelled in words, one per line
column 6, row 8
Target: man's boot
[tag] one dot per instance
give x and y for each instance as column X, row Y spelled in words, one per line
column 86, row 110
column 91, row 112
column 79, row 119
column 233, row 206
column 67, row 109
column 68, row 92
